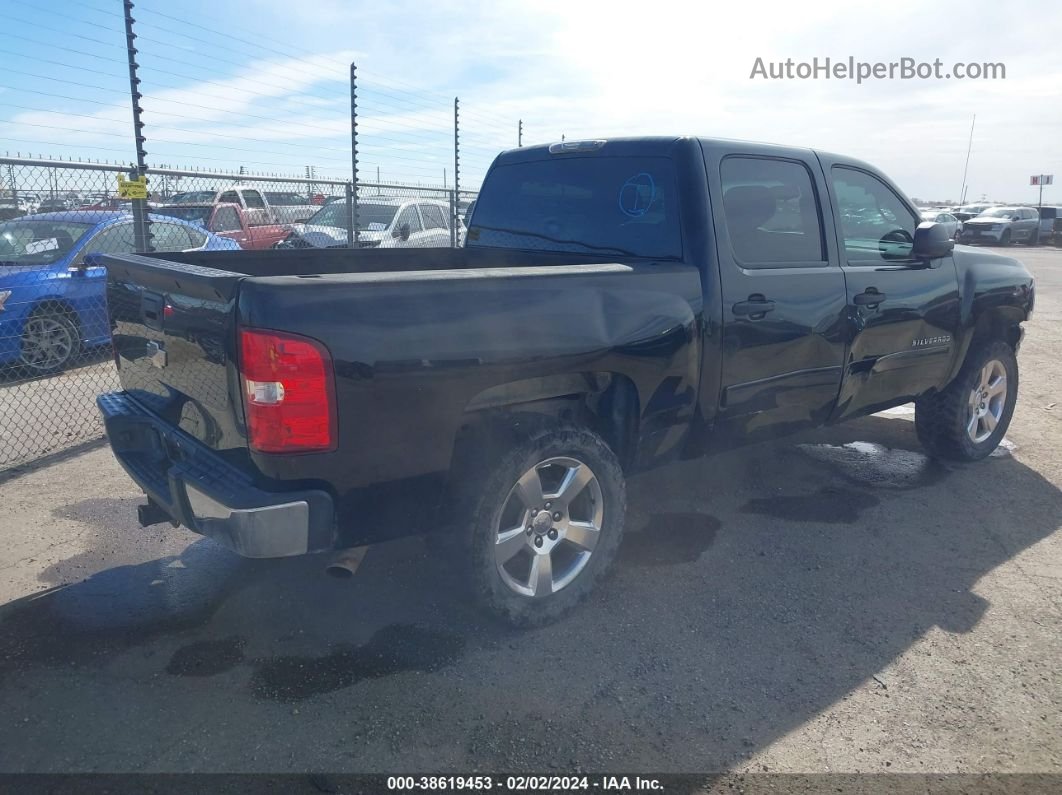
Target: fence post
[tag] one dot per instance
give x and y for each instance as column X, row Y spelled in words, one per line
column 457, row 174
column 520, row 133
column 354, row 152
column 352, row 232
column 141, row 221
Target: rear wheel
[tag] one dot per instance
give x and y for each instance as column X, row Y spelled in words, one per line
column 967, row 420
column 49, row 342
column 546, row 525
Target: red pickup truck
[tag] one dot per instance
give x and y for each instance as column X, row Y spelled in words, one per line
column 231, row 221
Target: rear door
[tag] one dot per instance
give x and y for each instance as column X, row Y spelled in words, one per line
column 782, row 288
column 904, row 312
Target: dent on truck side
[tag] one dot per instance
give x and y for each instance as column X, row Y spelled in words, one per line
column 500, row 342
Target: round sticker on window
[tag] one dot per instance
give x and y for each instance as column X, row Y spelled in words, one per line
column 637, row 195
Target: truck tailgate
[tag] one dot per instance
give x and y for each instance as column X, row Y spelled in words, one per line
column 174, row 330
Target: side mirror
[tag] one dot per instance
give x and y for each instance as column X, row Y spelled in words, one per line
column 402, row 233
column 931, row 241
column 1015, row 218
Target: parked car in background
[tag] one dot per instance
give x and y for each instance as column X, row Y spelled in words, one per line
column 1050, row 218
column 291, row 208
column 53, row 206
column 52, row 303
column 108, row 203
column 250, row 198
column 10, row 208
column 231, row 221
column 1003, row 225
column 968, row 211
column 945, row 219
column 382, row 223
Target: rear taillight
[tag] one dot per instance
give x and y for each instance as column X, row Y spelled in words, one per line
column 288, row 392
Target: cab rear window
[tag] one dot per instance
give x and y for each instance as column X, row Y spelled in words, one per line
column 625, row 206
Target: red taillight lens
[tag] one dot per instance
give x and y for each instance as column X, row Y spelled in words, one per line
column 288, row 392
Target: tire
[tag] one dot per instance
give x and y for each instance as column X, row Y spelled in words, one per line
column 506, row 567
column 1004, row 239
column 50, row 341
column 1034, row 238
column 945, row 421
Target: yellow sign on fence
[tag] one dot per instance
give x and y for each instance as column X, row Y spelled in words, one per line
column 132, row 188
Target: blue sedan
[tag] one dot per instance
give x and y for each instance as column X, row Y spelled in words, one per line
column 53, row 305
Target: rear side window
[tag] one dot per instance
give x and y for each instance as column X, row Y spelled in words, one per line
column 433, row 216
column 598, row 204
column 253, row 199
column 772, row 212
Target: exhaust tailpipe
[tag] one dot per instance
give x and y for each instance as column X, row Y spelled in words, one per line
column 344, row 563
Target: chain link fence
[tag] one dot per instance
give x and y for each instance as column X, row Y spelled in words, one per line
column 55, row 355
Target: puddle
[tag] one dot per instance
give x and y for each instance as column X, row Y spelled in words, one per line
column 392, row 650
column 207, row 657
column 833, row 506
column 904, row 412
column 1005, row 450
column 875, row 465
column 667, row 539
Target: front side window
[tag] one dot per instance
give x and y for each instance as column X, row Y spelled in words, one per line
column 409, row 216
column 772, row 212
column 877, row 225
column 229, row 197
column 226, row 219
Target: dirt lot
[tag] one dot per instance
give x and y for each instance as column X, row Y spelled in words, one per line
column 834, row 602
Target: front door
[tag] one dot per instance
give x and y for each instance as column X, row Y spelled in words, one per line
column 782, row 291
column 904, row 313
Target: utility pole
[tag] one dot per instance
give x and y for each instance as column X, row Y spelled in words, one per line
column 969, row 147
column 352, row 238
column 457, row 173
column 141, row 222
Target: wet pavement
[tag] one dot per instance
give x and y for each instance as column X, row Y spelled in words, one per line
column 834, row 601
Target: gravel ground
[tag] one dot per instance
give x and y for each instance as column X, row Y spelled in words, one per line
column 830, row 603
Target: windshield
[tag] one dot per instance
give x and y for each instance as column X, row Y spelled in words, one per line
column 29, row 242
column 998, row 212
column 288, row 199
column 192, row 197
column 196, row 215
column 619, row 205
column 371, row 217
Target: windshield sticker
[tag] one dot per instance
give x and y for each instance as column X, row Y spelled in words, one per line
column 39, row 246
column 637, row 195
column 376, row 227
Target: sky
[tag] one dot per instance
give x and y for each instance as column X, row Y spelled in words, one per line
column 264, row 84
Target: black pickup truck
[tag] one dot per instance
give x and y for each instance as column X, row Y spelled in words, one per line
column 617, row 304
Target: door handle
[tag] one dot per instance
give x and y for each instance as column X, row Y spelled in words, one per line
column 757, row 305
column 870, row 297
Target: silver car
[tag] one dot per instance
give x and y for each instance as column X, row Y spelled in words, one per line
column 945, row 219
column 1003, row 225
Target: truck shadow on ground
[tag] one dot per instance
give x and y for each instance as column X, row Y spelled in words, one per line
column 755, row 588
